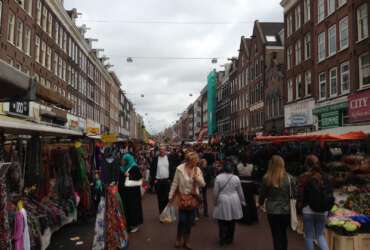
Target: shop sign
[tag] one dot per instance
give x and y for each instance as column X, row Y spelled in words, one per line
column 109, row 138
column 330, row 119
column 329, row 108
column 73, row 124
column 93, row 131
column 359, row 107
column 92, row 128
column 299, row 114
column 21, row 108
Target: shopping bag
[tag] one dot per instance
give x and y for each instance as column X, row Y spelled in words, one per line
column 293, row 208
column 168, row 215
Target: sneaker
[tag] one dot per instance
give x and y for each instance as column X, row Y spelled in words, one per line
column 134, row 230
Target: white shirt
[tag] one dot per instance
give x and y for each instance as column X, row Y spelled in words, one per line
column 163, row 168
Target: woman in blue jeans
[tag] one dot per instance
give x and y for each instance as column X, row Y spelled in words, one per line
column 314, row 221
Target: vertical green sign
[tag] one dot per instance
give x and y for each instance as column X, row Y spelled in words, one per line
column 211, row 102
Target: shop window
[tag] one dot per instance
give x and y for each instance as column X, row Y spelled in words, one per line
column 322, row 85
column 332, row 36
column 333, row 82
column 343, row 33
column 364, row 70
column 344, row 77
column 362, row 22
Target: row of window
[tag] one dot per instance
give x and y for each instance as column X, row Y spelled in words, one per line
column 239, row 103
column 241, row 123
column 299, row 90
column 298, row 17
column 274, row 107
column 327, row 7
column 19, row 34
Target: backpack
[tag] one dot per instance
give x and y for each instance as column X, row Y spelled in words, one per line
column 320, row 198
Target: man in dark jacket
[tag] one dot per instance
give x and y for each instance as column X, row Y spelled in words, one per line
column 162, row 172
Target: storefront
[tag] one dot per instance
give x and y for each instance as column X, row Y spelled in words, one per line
column 359, row 107
column 298, row 117
column 331, row 116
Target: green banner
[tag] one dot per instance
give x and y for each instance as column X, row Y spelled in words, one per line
column 330, row 120
column 211, row 102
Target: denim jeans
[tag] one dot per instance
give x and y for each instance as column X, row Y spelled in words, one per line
column 186, row 218
column 314, row 225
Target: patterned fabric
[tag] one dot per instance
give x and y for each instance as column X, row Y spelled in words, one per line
column 116, row 234
column 4, row 225
column 99, row 238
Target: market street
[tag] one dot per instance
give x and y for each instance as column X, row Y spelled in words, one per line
column 153, row 235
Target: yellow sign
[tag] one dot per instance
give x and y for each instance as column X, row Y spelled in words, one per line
column 109, row 138
column 93, row 131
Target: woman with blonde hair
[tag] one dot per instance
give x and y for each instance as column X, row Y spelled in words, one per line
column 275, row 191
column 186, row 183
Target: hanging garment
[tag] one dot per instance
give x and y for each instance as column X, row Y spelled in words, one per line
column 26, row 234
column 5, row 240
column 99, row 238
column 18, row 235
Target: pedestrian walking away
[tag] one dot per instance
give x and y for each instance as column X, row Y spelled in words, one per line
column 229, row 199
column 275, row 191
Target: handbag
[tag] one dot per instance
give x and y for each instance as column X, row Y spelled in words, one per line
column 132, row 183
column 293, row 208
column 189, row 201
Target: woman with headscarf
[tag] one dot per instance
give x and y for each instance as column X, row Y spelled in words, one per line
column 130, row 190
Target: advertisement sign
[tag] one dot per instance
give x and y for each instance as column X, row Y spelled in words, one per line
column 330, row 120
column 21, row 108
column 92, row 128
column 109, row 138
column 359, row 107
column 299, row 114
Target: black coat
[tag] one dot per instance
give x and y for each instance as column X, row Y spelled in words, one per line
column 172, row 167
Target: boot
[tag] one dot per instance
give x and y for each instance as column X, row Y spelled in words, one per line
column 186, row 242
column 178, row 243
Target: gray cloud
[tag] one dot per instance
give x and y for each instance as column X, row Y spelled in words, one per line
column 167, row 84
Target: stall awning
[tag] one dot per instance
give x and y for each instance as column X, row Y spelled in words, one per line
column 343, row 130
column 359, row 135
column 18, row 126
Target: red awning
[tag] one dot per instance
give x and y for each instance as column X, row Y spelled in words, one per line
column 323, row 137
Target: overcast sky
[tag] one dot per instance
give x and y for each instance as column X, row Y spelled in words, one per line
column 166, row 84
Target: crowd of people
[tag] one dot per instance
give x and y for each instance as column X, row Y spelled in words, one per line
column 182, row 176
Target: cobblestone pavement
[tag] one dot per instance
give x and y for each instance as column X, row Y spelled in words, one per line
column 153, row 235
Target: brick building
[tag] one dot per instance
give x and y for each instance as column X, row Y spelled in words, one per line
column 74, row 85
column 327, row 59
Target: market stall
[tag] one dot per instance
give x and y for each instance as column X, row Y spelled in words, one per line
column 345, row 159
column 44, row 181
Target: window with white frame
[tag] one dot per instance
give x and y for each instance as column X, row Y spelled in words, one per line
column 364, row 70
column 341, row 3
column 297, row 17
column 307, row 10
column 289, row 57
column 44, row 18
column 61, row 34
column 331, row 6
column 48, row 58
column 333, row 82
column 362, row 22
column 28, row 6
column 298, row 87
column 289, row 25
column 65, row 42
column 344, row 78
column 308, row 83
column 64, row 66
column 37, row 49
column 11, row 27
column 55, row 64
column 27, row 40
column 332, row 40
column 298, row 52
column 320, row 10
column 322, row 85
column 56, row 36
column 307, row 46
column 60, row 67
column 321, row 46
column 50, row 24
column 43, row 53
column 19, row 35
column 38, row 12
column 343, row 33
